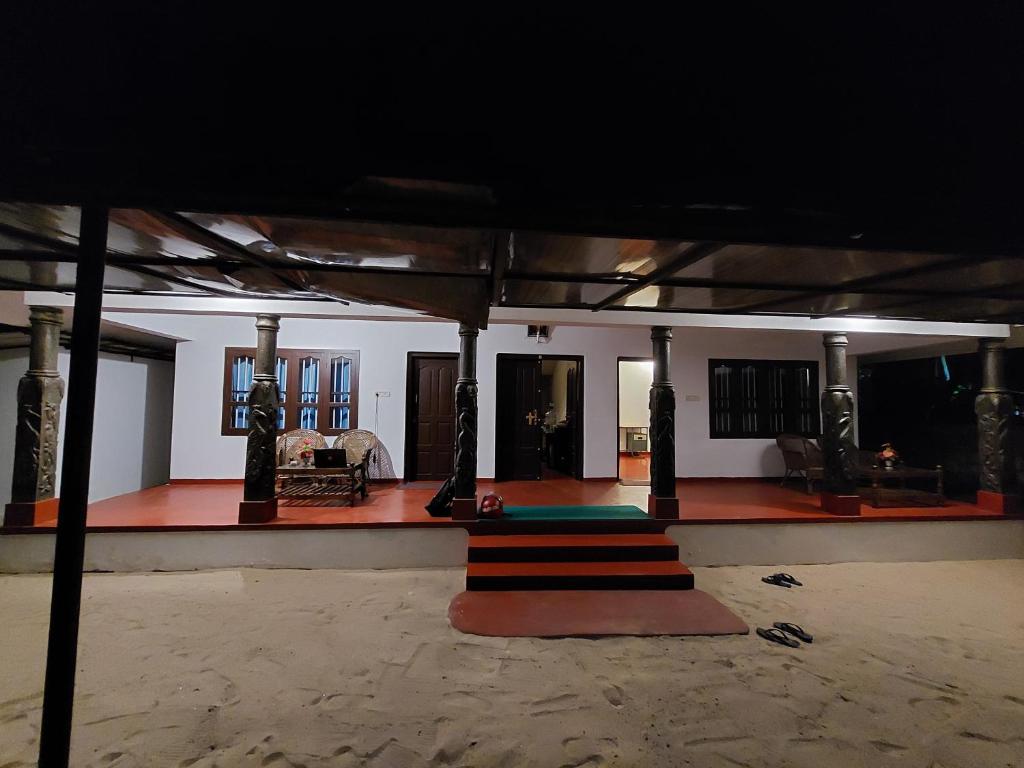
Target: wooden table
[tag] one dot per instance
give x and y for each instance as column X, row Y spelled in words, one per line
column 903, row 496
column 322, row 483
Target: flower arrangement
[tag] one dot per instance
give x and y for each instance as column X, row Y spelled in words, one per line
column 887, row 457
column 305, row 451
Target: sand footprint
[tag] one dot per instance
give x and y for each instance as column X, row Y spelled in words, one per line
column 980, row 737
column 715, row 740
column 562, row 698
column 614, row 695
column 943, row 699
column 586, row 761
column 275, row 758
column 888, row 747
column 448, row 754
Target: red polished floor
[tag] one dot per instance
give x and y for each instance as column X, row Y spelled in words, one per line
column 635, row 468
column 213, row 506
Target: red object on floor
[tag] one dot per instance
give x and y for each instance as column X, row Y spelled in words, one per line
column 492, row 506
column 22, row 513
column 834, row 504
column 1000, row 503
column 592, row 613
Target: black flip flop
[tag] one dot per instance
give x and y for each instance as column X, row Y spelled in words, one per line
column 793, row 629
column 790, row 579
column 777, row 636
column 777, row 580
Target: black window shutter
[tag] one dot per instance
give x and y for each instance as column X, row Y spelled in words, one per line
column 763, row 398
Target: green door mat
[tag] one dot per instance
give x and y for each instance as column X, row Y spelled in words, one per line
column 616, row 512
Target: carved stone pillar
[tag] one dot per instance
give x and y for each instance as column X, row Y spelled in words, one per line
column 260, row 498
column 40, row 392
column 464, row 505
column 993, row 406
column 662, row 501
column 839, row 451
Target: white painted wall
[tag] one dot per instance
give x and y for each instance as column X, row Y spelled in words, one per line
column 635, row 377
column 132, row 433
column 697, row 455
column 199, row 450
column 131, row 442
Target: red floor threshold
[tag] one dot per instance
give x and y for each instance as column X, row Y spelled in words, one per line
column 557, row 613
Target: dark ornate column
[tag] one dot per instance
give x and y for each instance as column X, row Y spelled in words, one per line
column 839, row 451
column 40, row 392
column 662, row 501
column 993, row 406
column 464, row 504
column 260, row 499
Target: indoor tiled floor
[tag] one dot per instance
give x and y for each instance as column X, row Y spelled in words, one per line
column 635, row 467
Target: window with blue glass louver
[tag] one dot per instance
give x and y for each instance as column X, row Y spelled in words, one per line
column 319, row 390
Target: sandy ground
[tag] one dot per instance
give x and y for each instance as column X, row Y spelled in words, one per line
column 912, row 665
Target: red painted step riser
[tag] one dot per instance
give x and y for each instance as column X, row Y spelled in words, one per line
column 543, row 583
column 575, row 560
column 585, row 568
column 571, row 554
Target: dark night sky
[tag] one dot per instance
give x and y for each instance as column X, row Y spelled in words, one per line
column 903, row 124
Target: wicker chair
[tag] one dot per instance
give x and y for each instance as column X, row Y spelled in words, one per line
column 803, row 457
column 359, row 445
column 290, row 443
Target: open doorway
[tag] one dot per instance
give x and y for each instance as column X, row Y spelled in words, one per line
column 539, row 420
column 635, row 375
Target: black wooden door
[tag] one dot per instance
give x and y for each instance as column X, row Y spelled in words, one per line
column 519, row 418
column 432, row 422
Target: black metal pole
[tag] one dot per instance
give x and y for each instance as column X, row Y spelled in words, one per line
column 65, row 604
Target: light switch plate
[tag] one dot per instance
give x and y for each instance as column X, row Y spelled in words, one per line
column 383, row 394
column 693, row 398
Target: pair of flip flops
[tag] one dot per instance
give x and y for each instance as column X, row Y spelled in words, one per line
column 780, row 633
column 782, row 580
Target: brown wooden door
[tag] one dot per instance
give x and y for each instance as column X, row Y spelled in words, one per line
column 519, row 418
column 432, row 423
